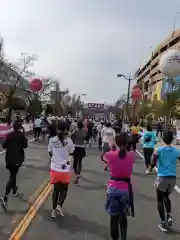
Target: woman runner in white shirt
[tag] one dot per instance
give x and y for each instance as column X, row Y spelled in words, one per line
column 60, row 147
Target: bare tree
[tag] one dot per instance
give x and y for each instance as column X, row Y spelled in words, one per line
column 14, row 79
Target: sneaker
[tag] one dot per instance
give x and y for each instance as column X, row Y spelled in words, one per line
column 53, row 215
column 162, row 226
column 15, row 192
column 76, row 180
column 3, row 202
column 60, row 210
column 147, row 171
column 169, row 221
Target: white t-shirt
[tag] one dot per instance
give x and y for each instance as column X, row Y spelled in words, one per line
column 108, row 135
column 37, row 122
column 60, row 153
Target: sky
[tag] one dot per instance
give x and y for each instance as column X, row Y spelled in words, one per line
column 85, row 43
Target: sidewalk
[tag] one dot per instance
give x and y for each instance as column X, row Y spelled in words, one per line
column 30, row 178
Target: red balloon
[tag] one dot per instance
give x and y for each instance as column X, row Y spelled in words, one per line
column 36, row 85
column 136, row 94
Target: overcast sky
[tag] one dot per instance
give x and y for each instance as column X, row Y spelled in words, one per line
column 85, row 43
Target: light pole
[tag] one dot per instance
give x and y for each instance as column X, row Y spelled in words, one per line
column 129, row 79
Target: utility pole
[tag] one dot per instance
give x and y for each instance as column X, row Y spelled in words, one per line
column 129, row 79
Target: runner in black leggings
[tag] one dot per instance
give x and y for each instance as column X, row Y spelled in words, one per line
column 78, row 136
column 14, row 144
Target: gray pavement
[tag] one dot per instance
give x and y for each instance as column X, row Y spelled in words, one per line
column 85, row 215
column 32, row 174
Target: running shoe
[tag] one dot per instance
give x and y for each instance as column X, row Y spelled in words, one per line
column 163, row 226
column 60, row 210
column 53, row 215
column 169, row 221
column 77, row 180
column 3, row 202
column 15, row 192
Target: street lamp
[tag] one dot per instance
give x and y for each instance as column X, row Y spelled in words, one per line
column 129, row 79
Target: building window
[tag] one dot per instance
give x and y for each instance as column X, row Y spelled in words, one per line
column 155, row 65
column 174, row 41
column 163, row 49
column 155, row 55
column 146, row 85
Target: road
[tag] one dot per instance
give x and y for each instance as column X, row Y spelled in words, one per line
column 85, row 215
column 31, row 176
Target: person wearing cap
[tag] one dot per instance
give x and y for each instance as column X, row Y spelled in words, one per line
column 14, row 145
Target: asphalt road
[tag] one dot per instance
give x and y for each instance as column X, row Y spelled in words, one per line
column 32, row 174
column 85, row 216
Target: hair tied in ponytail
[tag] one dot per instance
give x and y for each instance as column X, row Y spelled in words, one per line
column 122, row 152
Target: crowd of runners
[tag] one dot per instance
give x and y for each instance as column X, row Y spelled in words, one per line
column 68, row 139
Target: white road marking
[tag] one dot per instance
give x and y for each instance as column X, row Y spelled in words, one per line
column 176, row 187
column 5, row 150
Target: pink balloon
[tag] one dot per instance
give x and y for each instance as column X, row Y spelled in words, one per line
column 36, row 85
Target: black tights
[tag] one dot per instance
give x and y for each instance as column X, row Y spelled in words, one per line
column 163, row 203
column 77, row 165
column 115, row 223
column 11, row 184
column 148, row 152
column 59, row 194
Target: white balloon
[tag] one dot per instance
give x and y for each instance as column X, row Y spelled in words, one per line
column 67, row 99
column 169, row 63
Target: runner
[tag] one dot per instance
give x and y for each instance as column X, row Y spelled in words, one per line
column 37, row 128
column 165, row 158
column 135, row 129
column 78, row 137
column 99, row 130
column 149, row 141
column 108, row 136
column 119, row 189
column 60, row 147
column 15, row 143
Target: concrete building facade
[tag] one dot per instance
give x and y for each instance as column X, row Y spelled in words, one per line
column 149, row 78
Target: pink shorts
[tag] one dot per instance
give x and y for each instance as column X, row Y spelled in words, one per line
column 64, row 177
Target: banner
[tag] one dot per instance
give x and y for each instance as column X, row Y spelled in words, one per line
column 96, row 106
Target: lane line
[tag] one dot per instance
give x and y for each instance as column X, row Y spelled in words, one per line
column 140, row 154
column 26, row 221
